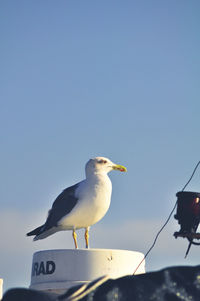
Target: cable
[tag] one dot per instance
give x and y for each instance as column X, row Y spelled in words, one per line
column 154, row 242
column 191, row 176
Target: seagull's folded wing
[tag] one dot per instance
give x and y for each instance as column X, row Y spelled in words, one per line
column 62, row 206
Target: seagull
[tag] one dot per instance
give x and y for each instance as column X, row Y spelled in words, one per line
column 83, row 204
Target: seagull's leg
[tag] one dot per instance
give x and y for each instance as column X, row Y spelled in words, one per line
column 75, row 238
column 87, row 237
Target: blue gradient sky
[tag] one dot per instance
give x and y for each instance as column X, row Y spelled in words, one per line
column 85, row 78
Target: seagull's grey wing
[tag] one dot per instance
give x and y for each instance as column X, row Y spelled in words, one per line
column 62, row 206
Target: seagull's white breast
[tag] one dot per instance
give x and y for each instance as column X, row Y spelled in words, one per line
column 94, row 196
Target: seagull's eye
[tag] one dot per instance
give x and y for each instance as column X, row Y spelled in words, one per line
column 103, row 161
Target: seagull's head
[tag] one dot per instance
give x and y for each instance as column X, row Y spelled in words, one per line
column 102, row 165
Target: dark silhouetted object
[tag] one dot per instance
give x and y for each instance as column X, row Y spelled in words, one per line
column 24, row 294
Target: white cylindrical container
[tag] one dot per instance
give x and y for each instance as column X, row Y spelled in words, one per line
column 1, row 288
column 58, row 270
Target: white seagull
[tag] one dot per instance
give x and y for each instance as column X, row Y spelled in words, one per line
column 83, row 204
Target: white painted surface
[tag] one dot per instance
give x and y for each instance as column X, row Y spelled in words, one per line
column 57, row 270
column 1, row 288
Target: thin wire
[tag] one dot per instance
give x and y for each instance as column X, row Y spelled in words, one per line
column 191, row 176
column 154, row 242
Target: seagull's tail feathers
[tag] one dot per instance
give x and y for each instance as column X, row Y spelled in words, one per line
column 41, row 232
column 35, row 231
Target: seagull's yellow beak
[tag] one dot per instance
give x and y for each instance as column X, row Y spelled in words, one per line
column 119, row 167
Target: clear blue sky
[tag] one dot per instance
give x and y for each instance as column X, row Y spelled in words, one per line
column 85, row 78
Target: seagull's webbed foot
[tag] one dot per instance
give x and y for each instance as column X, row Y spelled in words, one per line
column 75, row 239
column 87, row 237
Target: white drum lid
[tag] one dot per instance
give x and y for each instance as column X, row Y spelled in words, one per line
column 61, row 269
